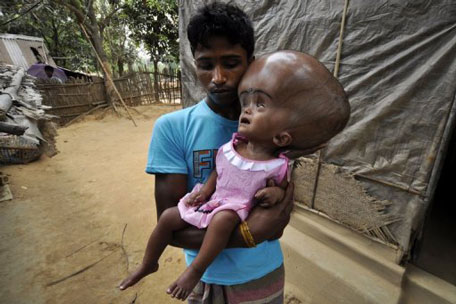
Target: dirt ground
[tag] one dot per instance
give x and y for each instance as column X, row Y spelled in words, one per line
column 79, row 221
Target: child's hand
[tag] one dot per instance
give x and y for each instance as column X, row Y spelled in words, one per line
column 268, row 197
column 196, row 199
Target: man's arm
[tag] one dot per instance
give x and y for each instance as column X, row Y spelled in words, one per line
column 170, row 188
column 267, row 224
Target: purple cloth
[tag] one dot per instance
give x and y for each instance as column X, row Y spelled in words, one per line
column 38, row 71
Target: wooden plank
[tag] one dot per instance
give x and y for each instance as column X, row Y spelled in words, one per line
column 71, row 115
column 68, row 84
column 73, row 94
column 79, row 105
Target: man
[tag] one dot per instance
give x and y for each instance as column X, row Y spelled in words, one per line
column 49, row 70
column 182, row 153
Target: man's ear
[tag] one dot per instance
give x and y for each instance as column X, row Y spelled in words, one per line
column 282, row 139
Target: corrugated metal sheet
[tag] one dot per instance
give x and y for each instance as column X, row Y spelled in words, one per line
column 18, row 49
column 15, row 53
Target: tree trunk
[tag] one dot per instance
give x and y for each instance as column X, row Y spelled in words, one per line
column 107, row 71
column 130, row 68
column 120, row 66
column 156, row 87
column 96, row 38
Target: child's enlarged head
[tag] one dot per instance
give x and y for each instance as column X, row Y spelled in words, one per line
column 291, row 98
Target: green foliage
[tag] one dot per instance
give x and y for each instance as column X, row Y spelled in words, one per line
column 155, row 23
column 119, row 48
column 53, row 23
column 118, row 25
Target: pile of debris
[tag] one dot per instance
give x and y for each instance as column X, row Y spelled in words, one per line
column 26, row 131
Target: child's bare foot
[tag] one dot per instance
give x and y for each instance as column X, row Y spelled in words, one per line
column 184, row 285
column 140, row 273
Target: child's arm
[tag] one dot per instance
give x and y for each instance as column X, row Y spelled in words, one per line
column 205, row 191
column 271, row 195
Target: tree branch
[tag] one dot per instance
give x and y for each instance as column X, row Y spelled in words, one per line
column 40, row 30
column 106, row 20
column 23, row 13
column 74, row 7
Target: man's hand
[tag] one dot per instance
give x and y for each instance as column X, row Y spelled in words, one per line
column 269, row 223
column 269, row 196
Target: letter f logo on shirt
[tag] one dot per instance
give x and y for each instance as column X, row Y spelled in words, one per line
column 203, row 163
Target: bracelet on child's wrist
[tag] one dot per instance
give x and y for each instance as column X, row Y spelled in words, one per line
column 246, row 235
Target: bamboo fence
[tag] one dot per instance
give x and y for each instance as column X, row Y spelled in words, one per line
column 72, row 99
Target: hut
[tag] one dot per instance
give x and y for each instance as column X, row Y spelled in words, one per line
column 23, row 51
column 360, row 229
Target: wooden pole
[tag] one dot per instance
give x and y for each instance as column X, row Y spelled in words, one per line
column 107, row 75
column 341, row 39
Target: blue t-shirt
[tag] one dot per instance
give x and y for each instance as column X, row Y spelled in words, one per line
column 186, row 142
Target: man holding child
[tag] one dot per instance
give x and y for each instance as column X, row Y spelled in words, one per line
column 184, row 145
column 181, row 154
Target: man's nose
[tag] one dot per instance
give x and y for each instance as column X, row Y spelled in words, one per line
column 218, row 76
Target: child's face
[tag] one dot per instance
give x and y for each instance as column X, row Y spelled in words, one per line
column 261, row 118
column 262, row 94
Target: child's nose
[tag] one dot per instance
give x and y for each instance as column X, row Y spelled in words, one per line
column 248, row 110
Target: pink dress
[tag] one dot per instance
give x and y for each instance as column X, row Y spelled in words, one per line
column 238, row 179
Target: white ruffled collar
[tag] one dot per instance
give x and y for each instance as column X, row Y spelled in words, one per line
column 247, row 164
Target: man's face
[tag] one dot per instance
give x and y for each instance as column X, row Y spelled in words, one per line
column 219, row 68
column 49, row 72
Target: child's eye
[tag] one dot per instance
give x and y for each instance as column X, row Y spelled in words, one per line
column 260, row 104
column 243, row 102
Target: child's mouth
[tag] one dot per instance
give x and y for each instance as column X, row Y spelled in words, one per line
column 245, row 121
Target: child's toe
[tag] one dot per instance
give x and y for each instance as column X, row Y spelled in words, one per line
column 177, row 292
column 185, row 295
column 171, row 289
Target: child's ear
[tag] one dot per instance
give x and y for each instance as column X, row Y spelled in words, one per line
column 282, row 139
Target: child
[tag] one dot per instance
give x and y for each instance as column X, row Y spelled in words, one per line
column 289, row 101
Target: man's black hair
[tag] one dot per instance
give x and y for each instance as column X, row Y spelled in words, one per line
column 220, row 19
column 49, row 68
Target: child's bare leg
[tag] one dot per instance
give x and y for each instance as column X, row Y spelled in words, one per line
column 162, row 235
column 217, row 235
